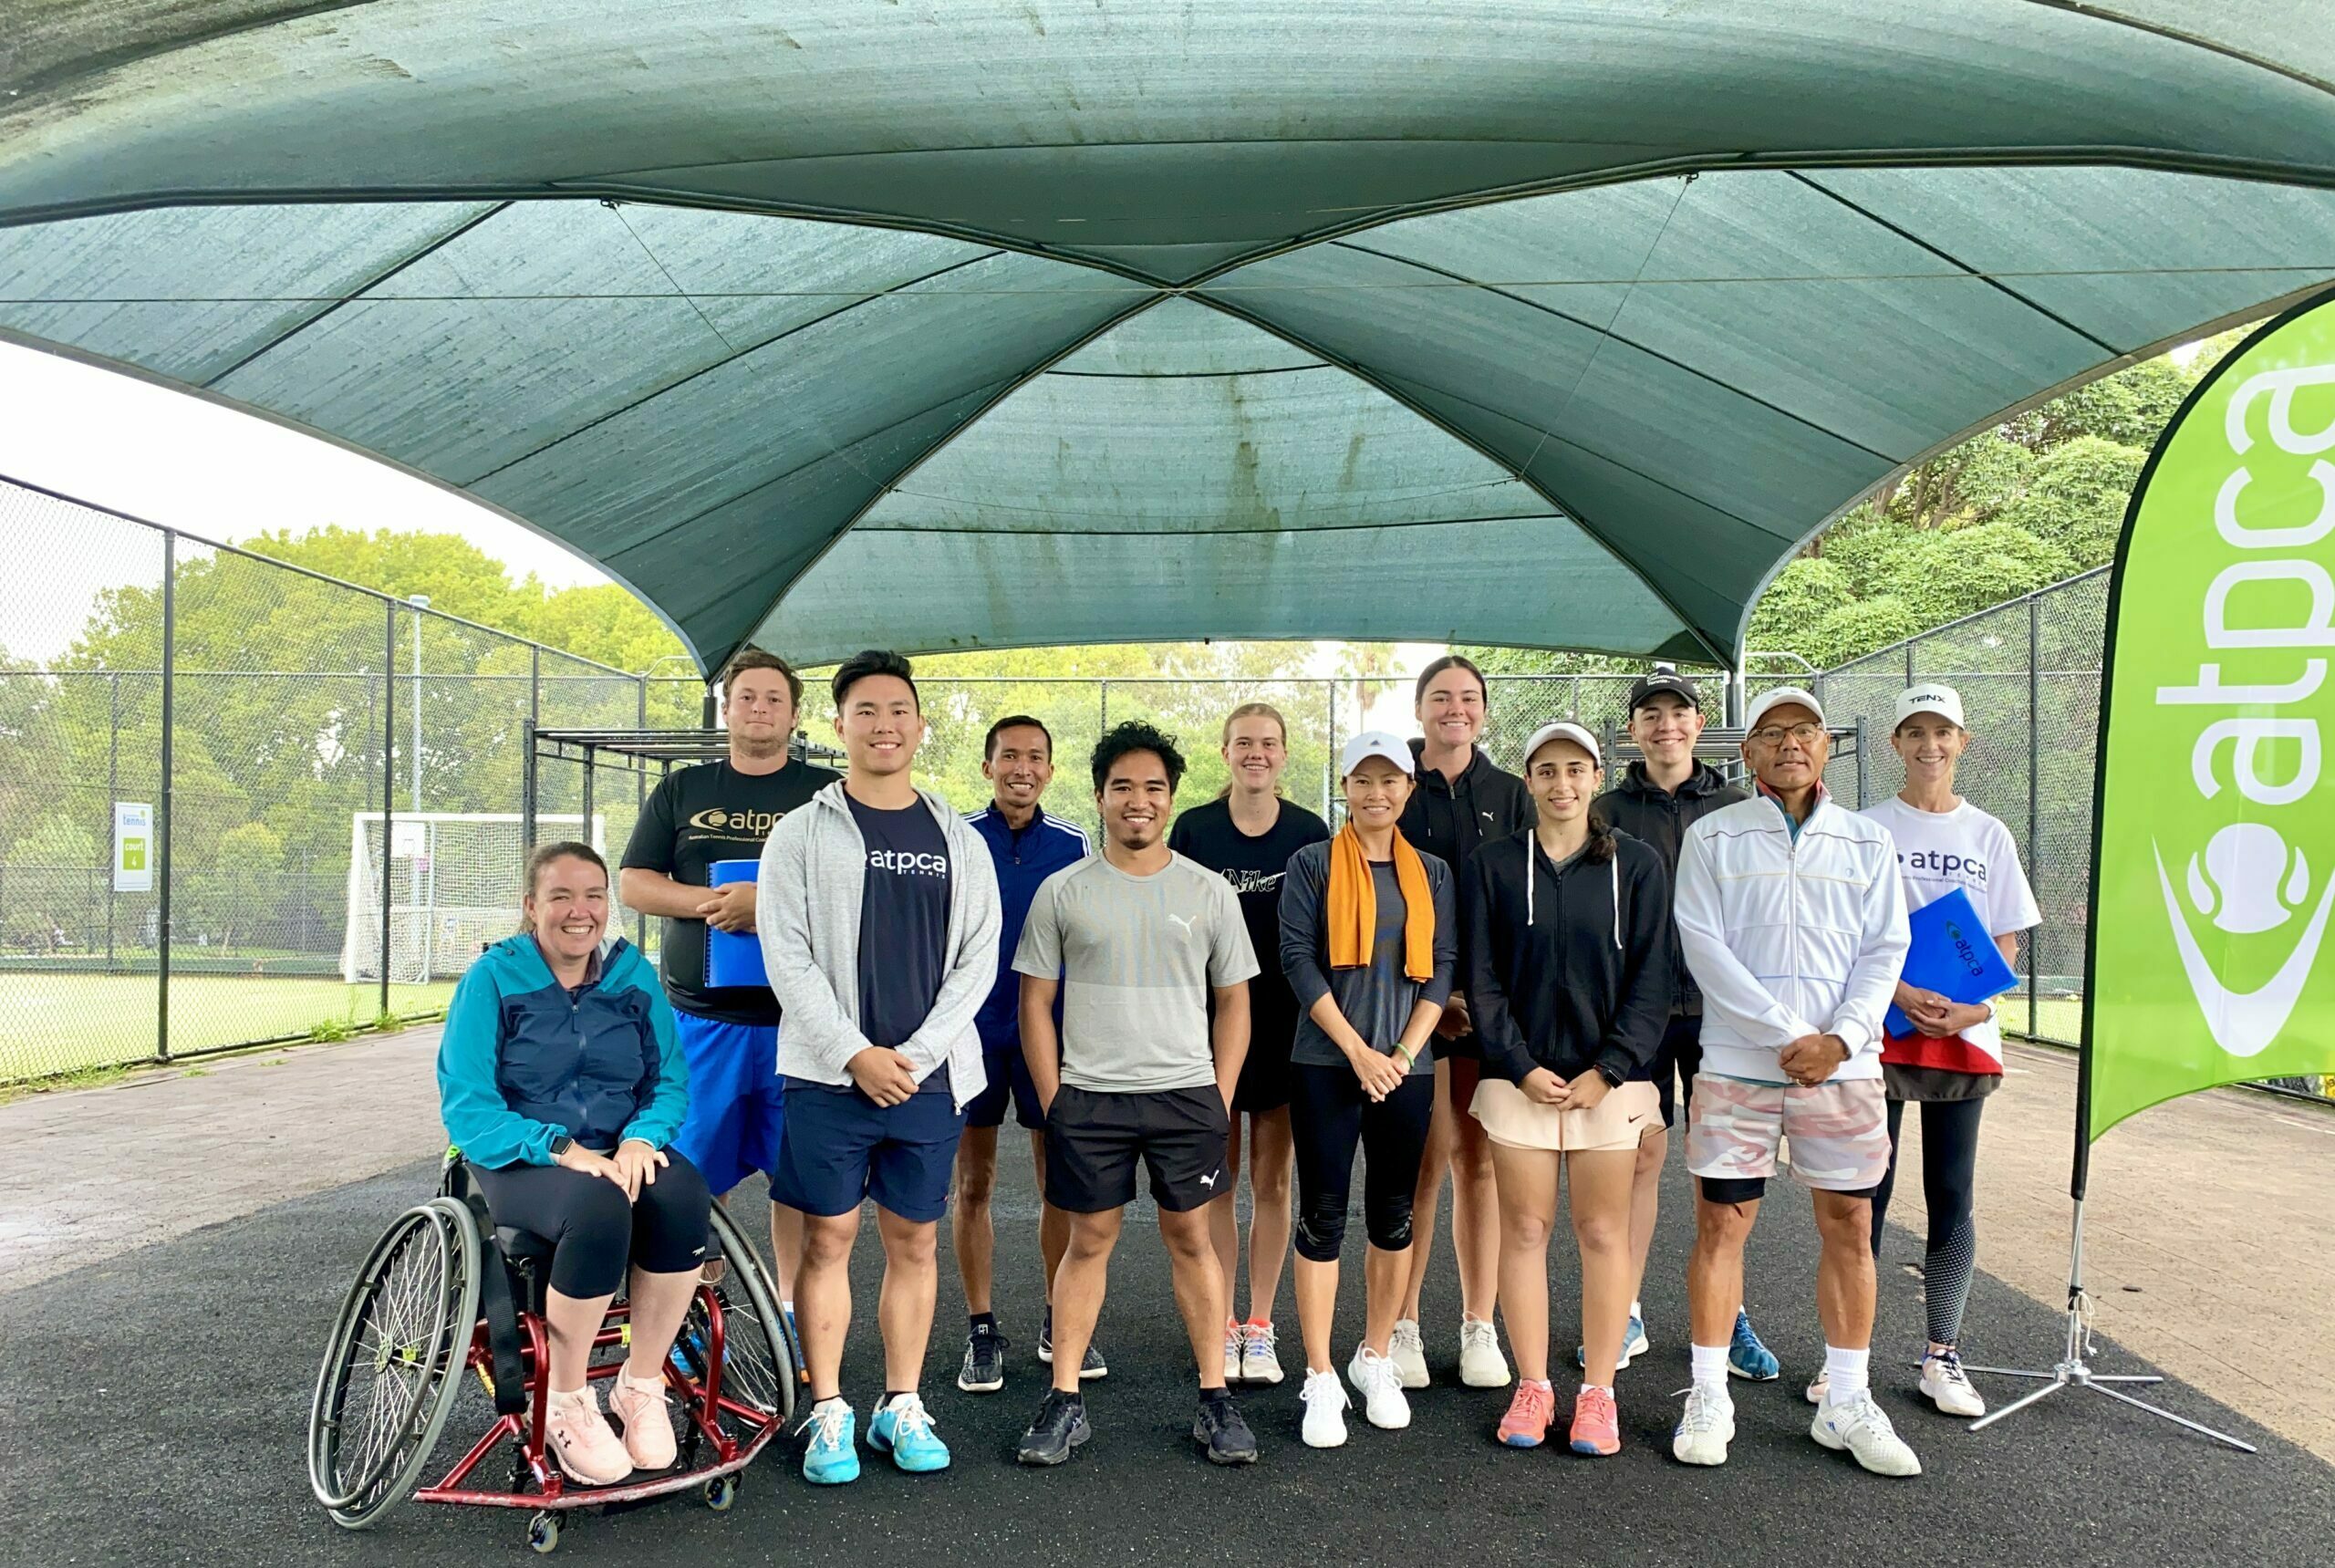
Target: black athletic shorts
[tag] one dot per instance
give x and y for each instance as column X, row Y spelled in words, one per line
column 1093, row 1140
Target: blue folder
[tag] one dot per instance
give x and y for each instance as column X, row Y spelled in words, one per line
column 1953, row 954
column 733, row 958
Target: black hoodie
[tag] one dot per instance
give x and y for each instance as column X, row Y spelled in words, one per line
column 1646, row 811
column 1566, row 968
column 1448, row 818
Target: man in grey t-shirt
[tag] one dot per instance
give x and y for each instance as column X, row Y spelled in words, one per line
column 1141, row 939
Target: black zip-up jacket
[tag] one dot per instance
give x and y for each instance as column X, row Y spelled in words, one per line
column 1449, row 819
column 1566, row 969
column 1646, row 811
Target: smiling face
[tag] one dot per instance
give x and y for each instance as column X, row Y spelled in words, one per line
column 1666, row 727
column 1786, row 752
column 759, row 712
column 1452, row 708
column 1564, row 778
column 1930, row 744
column 879, row 726
column 1256, row 753
column 1136, row 800
column 1376, row 792
column 567, row 908
column 1020, row 766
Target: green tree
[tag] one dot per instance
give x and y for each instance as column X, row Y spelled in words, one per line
column 2077, row 496
column 55, row 840
column 1939, row 576
column 236, row 885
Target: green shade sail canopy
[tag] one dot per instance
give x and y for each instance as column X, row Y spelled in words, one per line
column 950, row 324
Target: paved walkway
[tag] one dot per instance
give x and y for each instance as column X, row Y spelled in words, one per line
column 2211, row 1229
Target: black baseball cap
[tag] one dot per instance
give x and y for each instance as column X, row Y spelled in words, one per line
column 1661, row 678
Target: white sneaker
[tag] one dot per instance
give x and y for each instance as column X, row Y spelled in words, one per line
column 1819, row 1387
column 1481, row 1366
column 1324, row 1426
column 1380, row 1383
column 1705, row 1428
column 1408, row 1351
column 1857, row 1424
column 1233, row 1342
column 1260, row 1363
column 1948, row 1386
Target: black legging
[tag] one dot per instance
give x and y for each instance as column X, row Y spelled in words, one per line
column 1949, row 1185
column 1329, row 1116
column 593, row 1230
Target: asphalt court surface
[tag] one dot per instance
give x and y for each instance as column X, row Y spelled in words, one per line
column 152, row 1409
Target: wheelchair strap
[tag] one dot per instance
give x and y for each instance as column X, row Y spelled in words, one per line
column 502, row 1314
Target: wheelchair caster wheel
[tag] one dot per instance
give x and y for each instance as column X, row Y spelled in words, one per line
column 543, row 1533
column 721, row 1492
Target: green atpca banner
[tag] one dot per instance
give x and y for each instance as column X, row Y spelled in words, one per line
column 2213, row 848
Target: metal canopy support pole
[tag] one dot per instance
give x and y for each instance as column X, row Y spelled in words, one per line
column 113, row 797
column 165, row 815
column 640, row 805
column 530, row 777
column 389, row 778
column 2034, row 790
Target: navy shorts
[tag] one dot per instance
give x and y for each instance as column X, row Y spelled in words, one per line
column 842, row 1147
column 1009, row 1075
column 733, row 1124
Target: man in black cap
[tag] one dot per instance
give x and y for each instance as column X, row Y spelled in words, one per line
column 1660, row 796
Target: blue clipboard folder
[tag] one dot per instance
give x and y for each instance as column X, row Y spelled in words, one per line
column 733, row 958
column 1953, row 954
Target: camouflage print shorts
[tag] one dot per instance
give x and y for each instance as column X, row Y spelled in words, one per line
column 1839, row 1131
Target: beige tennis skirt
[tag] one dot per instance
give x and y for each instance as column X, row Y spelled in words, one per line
column 1615, row 1123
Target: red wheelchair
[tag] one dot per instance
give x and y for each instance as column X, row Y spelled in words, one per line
column 445, row 1292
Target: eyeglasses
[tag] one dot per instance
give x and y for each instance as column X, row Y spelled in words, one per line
column 1773, row 734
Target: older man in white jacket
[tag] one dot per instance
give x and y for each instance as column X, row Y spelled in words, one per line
column 1793, row 922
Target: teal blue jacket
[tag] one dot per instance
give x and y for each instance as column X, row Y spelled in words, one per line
column 524, row 1059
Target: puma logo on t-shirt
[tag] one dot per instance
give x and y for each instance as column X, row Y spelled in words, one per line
column 1183, row 923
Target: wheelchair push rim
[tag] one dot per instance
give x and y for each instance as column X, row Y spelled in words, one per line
column 388, row 1377
column 760, row 1363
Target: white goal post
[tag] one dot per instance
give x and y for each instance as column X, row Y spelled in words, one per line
column 453, row 886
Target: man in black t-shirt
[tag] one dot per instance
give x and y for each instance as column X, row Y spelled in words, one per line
column 697, row 818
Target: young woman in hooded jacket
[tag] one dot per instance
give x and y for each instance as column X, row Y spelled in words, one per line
column 1567, row 955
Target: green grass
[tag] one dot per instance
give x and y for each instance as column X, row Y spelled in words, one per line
column 52, row 1023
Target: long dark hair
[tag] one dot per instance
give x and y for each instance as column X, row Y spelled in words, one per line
column 1602, row 846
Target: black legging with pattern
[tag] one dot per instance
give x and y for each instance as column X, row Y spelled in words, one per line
column 1949, row 1186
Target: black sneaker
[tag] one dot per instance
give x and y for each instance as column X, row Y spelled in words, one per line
column 1091, row 1367
column 984, row 1368
column 1220, row 1430
column 1060, row 1426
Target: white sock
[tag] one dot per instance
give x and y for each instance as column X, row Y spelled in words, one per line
column 1637, row 1311
column 1710, row 1365
column 1845, row 1372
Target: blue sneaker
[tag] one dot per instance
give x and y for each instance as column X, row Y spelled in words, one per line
column 1634, row 1345
column 903, row 1430
column 831, row 1457
column 1747, row 1358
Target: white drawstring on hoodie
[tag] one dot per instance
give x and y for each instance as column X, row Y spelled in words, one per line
column 1613, row 870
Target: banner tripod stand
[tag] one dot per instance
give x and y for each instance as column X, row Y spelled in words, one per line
column 2074, row 1369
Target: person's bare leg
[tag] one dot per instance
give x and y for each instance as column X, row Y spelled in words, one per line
column 1273, row 1161
column 1053, row 1224
column 1646, row 1203
column 786, row 1248
column 1317, row 1306
column 1429, row 1195
column 904, row 1307
column 972, row 1229
column 659, row 1302
column 1845, row 1276
column 1715, row 1268
column 1600, row 1186
column 1383, row 1275
column 1475, row 1200
column 1199, row 1292
column 1078, row 1291
column 1528, row 1211
column 1223, row 1220
column 823, row 1297
column 574, row 1323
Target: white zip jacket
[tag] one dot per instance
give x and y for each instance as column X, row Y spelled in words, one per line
column 1789, row 936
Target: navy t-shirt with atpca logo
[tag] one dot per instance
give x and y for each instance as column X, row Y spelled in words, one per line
column 694, row 817
column 903, row 923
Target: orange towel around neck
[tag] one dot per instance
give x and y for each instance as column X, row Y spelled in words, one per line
column 1353, row 907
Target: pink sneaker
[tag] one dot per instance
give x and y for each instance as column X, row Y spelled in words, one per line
column 1597, row 1425
column 578, row 1437
column 1526, row 1425
column 648, row 1425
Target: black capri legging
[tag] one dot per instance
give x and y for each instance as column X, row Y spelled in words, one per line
column 594, row 1232
column 1949, row 1188
column 1329, row 1117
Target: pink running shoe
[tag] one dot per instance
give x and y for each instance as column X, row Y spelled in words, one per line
column 1526, row 1425
column 648, row 1425
column 578, row 1437
column 1597, row 1425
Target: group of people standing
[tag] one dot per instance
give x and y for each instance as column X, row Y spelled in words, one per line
column 1517, row 983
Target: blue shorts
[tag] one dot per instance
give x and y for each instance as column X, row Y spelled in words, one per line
column 734, row 1121
column 1008, row 1073
column 842, row 1147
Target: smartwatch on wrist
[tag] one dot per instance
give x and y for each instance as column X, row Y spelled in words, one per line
column 1613, row 1080
column 560, row 1144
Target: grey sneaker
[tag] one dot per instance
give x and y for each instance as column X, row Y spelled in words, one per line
column 1219, row 1429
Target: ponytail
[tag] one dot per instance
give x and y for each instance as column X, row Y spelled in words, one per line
column 1602, row 843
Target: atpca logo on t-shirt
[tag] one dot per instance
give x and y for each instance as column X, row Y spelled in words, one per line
column 1966, row 869
column 907, row 863
column 720, row 819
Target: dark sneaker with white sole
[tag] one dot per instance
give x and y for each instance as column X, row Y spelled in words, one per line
column 1089, row 1368
column 984, row 1368
column 1219, row 1429
column 1061, row 1426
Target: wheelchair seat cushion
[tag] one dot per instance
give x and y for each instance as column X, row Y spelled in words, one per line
column 519, row 1245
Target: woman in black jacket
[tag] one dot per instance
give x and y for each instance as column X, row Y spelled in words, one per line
column 1565, row 933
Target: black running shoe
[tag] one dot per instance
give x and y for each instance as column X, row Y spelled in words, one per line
column 1090, row 1366
column 1220, row 1430
column 984, row 1368
column 1060, row 1426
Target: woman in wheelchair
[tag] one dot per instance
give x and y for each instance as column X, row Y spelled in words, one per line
column 560, row 1081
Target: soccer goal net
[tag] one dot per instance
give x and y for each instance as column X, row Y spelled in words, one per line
column 453, row 888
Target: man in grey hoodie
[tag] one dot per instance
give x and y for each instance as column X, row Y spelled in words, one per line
column 878, row 910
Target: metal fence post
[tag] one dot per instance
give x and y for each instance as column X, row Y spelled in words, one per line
column 2034, row 788
column 640, row 805
column 1104, row 726
column 113, row 794
column 389, row 777
column 165, row 816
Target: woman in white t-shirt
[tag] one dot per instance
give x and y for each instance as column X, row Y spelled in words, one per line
column 1955, row 1060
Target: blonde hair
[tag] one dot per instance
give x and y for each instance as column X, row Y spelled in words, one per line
column 1253, row 710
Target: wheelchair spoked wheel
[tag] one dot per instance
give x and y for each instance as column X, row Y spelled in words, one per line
column 759, row 1361
column 391, row 1370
